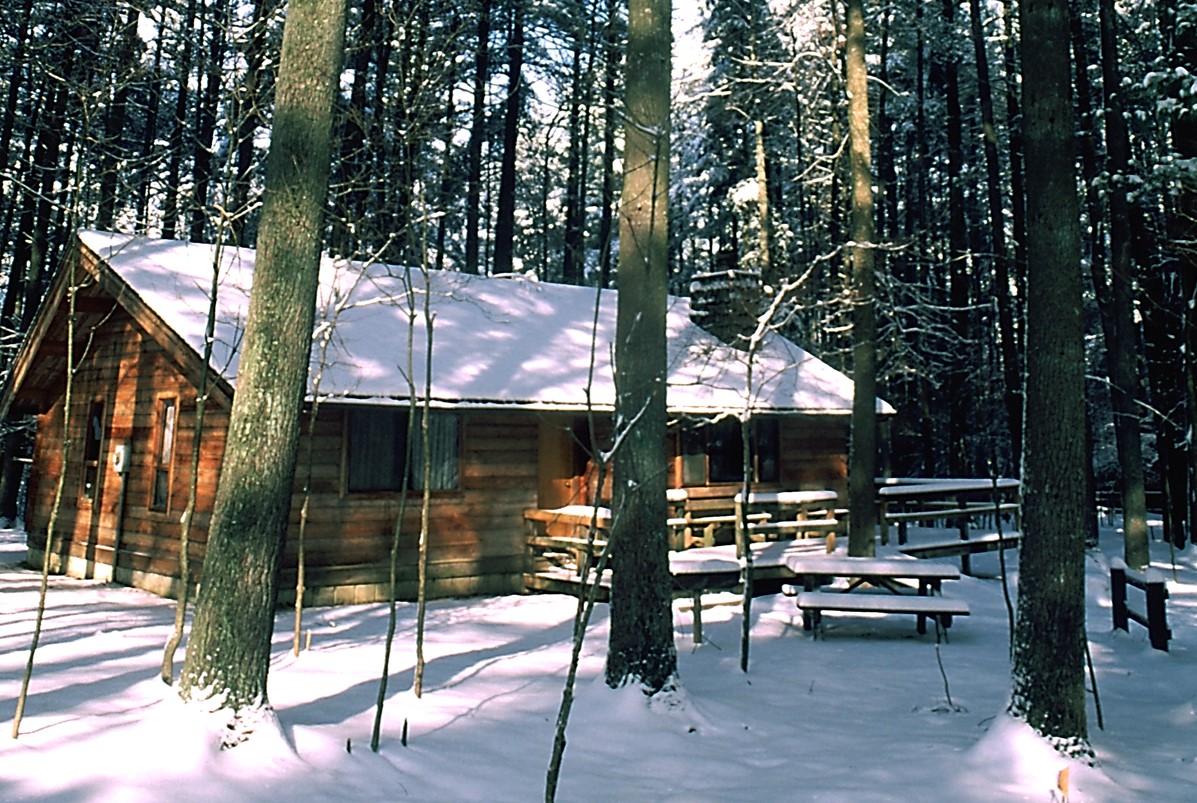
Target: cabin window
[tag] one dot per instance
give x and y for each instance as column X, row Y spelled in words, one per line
column 376, row 444
column 164, row 450
column 93, row 442
column 714, row 452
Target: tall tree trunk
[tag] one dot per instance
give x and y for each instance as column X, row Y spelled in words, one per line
column 1018, row 217
column 228, row 656
column 445, row 192
column 123, row 62
column 862, row 453
column 958, row 395
column 641, row 648
column 353, row 167
column 769, row 275
column 1183, row 228
column 203, row 147
column 247, row 117
column 174, row 170
column 575, row 173
column 1007, row 333
column 612, row 56
column 17, row 63
column 1048, row 678
column 505, row 215
column 149, row 155
column 1121, row 337
column 474, row 215
column 887, row 176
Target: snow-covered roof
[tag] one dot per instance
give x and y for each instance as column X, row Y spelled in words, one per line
column 512, row 342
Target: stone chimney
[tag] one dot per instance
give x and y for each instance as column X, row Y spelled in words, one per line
column 727, row 304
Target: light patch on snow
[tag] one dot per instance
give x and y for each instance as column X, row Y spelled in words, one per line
column 857, row 715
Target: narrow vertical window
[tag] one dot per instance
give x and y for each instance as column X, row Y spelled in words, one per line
column 93, row 443
column 164, row 449
column 443, row 453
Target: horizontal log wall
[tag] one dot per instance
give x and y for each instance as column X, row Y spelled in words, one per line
column 129, row 373
column 476, row 533
column 476, row 544
column 814, row 453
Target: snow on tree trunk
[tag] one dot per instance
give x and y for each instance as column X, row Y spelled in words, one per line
column 641, row 648
column 228, row 656
column 862, row 456
column 1049, row 643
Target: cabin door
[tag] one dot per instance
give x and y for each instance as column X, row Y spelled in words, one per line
column 561, row 473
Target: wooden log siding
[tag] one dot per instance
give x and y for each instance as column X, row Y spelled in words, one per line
column 814, row 453
column 129, row 372
column 477, row 538
column 476, row 543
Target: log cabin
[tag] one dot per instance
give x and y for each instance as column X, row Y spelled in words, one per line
column 516, row 375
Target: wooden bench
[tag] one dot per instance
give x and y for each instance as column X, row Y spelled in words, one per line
column 718, row 568
column 705, row 516
column 957, row 500
column 1155, row 615
column 963, row 547
column 887, row 575
column 942, row 609
column 560, row 551
column 793, row 514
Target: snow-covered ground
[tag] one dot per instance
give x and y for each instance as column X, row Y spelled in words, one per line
column 862, row 714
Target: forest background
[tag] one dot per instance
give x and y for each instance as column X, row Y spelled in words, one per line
column 484, row 136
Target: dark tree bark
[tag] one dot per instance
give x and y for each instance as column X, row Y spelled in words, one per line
column 474, row 215
column 1007, row 333
column 247, row 113
column 641, row 648
column 203, row 171
column 1018, row 216
column 353, row 166
column 1183, row 228
column 228, row 655
column 862, row 453
column 505, row 215
column 1121, row 336
column 1048, row 678
column 447, row 179
column 958, row 395
column 613, row 56
column 15, row 80
column 581, row 81
column 149, row 156
column 174, row 171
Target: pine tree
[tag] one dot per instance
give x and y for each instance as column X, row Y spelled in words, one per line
column 1049, row 641
column 641, row 646
column 228, row 656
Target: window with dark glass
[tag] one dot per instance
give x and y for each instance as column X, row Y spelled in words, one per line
column 164, row 449
column 93, row 442
column 377, row 443
column 714, row 452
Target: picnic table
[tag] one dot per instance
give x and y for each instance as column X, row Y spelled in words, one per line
column 709, row 516
column 718, row 568
column 889, row 576
column 955, row 500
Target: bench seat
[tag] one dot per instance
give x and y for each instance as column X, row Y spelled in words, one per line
column 990, row 542
column 813, row 603
column 930, row 512
column 799, row 525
